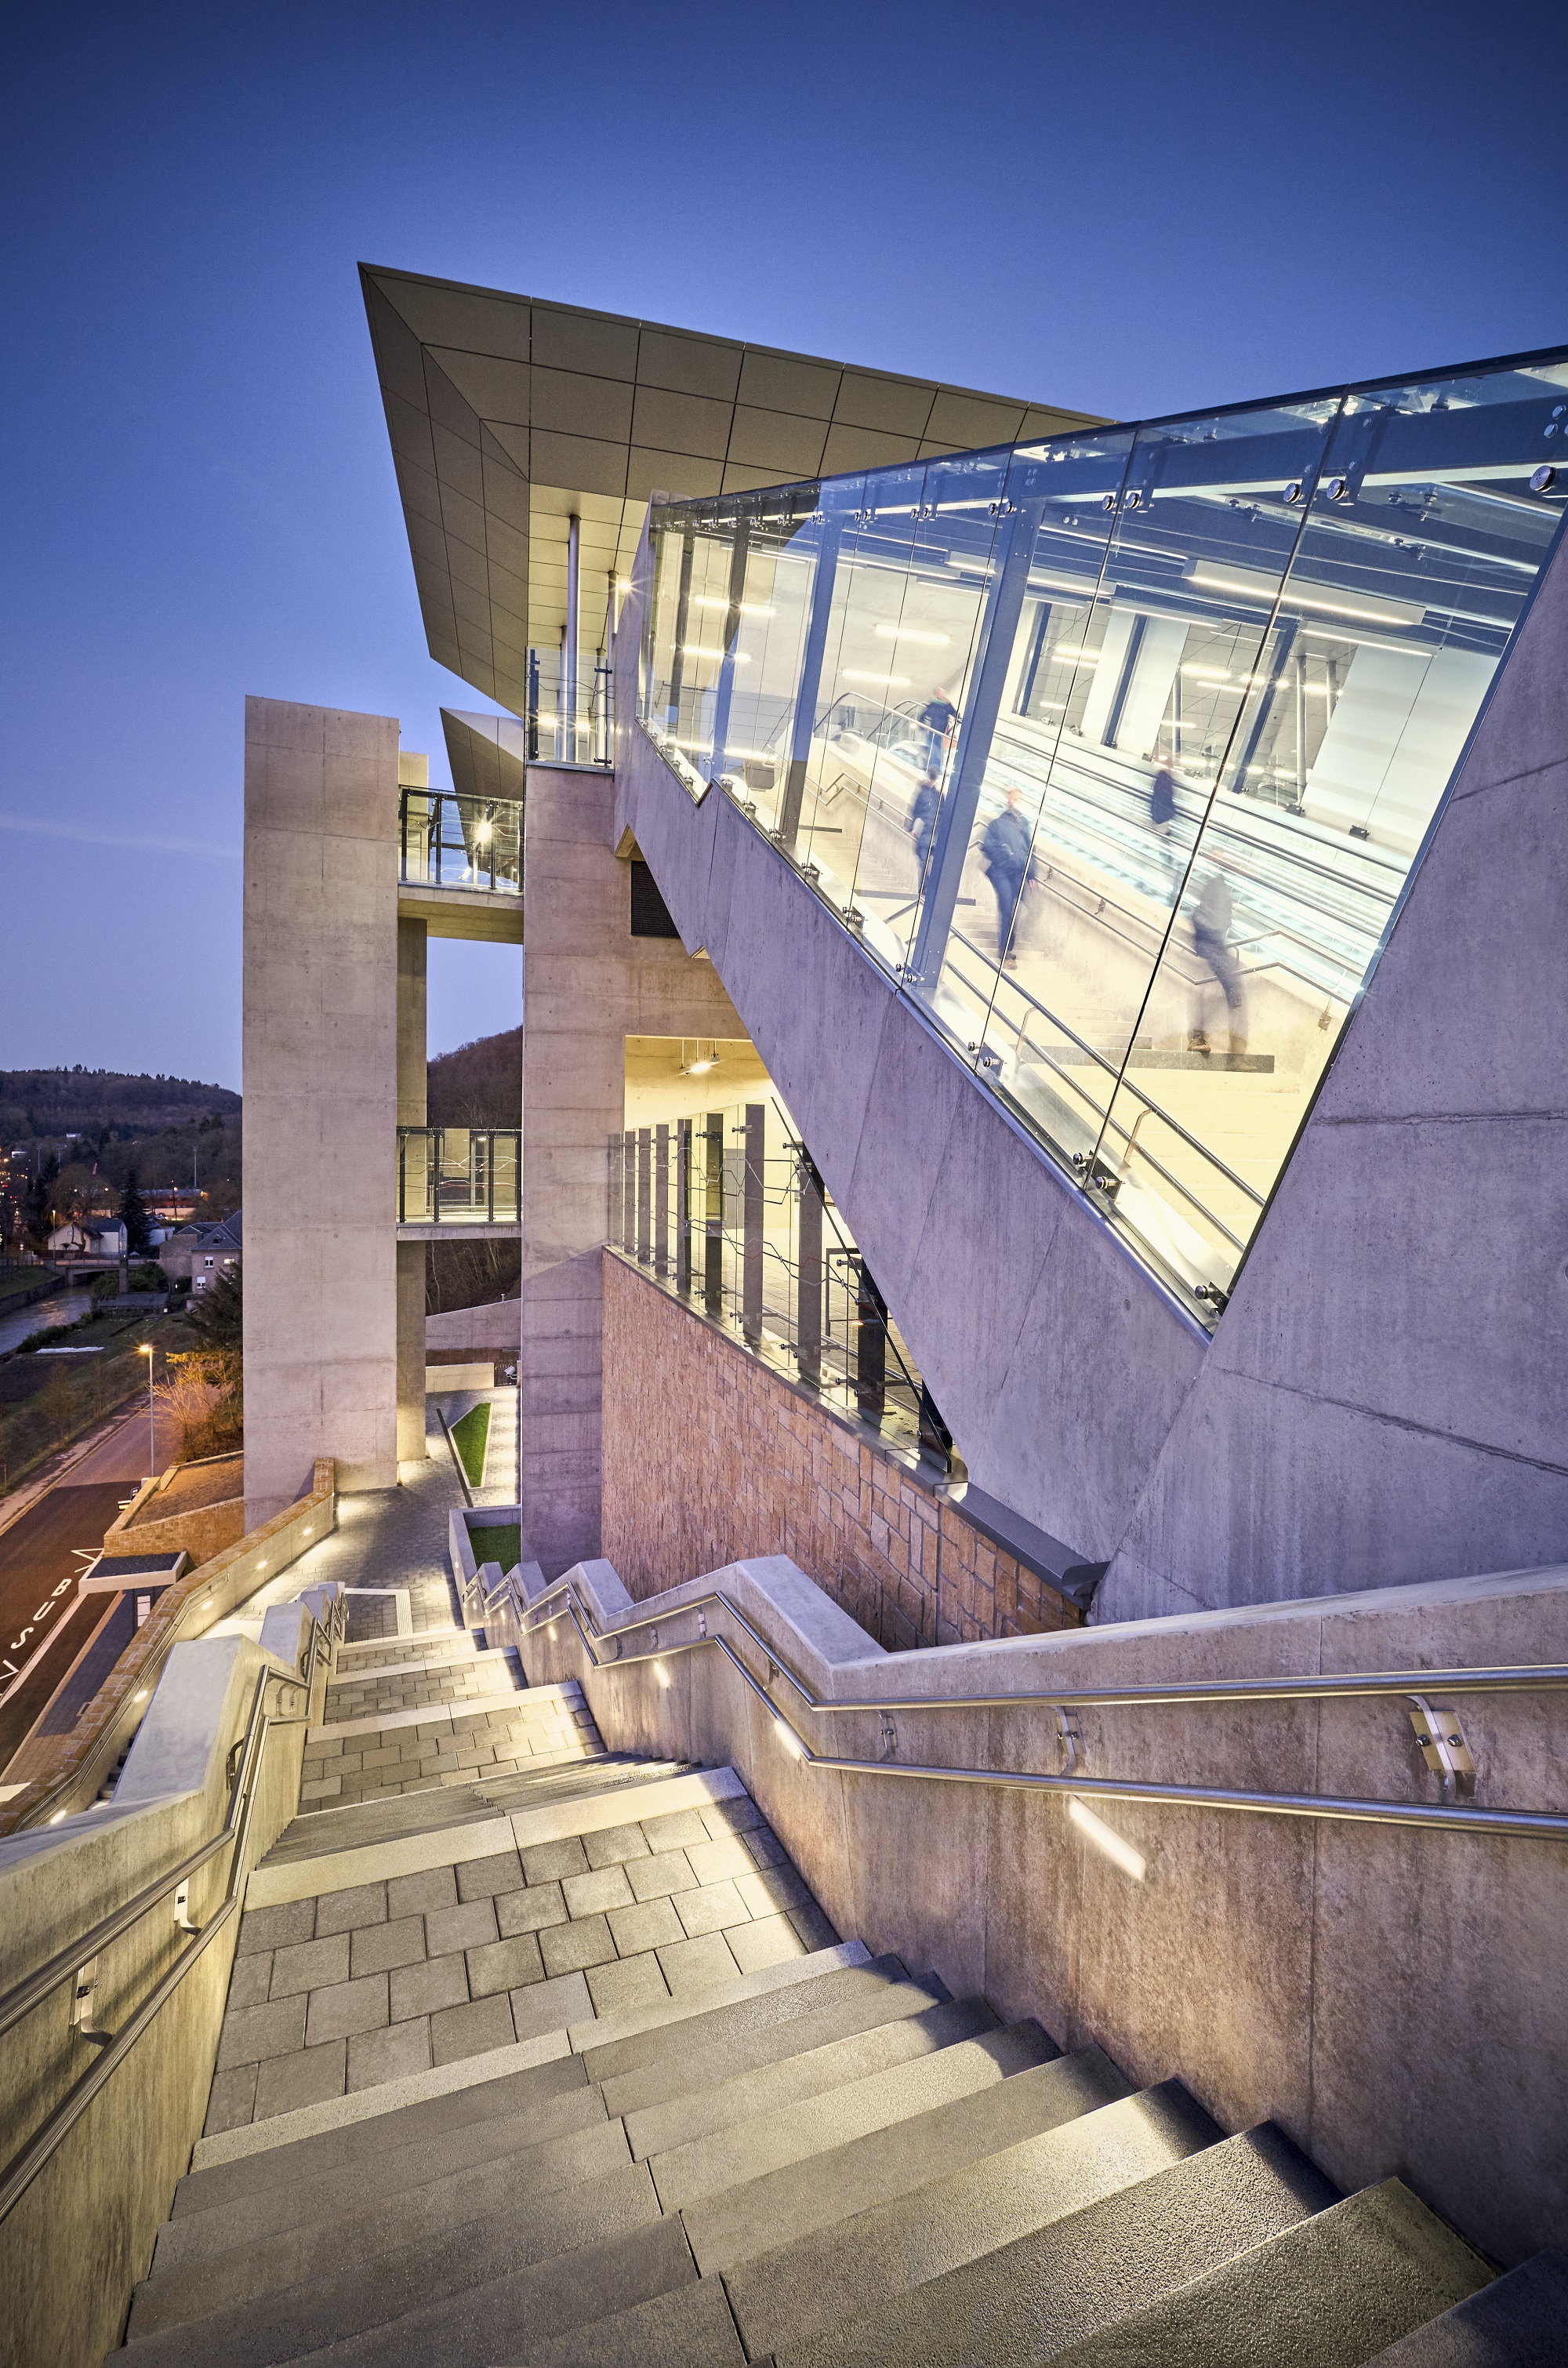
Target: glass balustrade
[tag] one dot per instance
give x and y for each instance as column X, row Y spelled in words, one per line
column 458, row 1175
column 449, row 840
column 728, row 1211
column 1117, row 750
column 570, row 722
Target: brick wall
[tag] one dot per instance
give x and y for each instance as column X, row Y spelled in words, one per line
column 711, row 1455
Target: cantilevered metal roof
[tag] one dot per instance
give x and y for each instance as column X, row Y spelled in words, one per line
column 510, row 416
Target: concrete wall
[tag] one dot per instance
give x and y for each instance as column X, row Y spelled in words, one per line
column 590, row 986
column 321, row 1099
column 413, row 952
column 1392, row 1997
column 1384, row 1398
column 710, row 1455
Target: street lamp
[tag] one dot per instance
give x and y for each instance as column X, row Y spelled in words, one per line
column 152, row 1414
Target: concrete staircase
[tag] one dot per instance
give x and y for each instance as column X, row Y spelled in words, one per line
column 562, row 2064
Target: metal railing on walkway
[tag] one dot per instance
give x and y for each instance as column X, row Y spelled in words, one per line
column 459, row 1175
column 1436, row 1729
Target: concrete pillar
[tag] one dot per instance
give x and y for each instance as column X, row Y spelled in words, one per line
column 590, row 985
column 412, row 950
column 320, row 1050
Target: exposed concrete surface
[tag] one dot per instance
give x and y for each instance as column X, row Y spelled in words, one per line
column 411, row 965
column 1313, row 1972
column 321, row 1097
column 590, row 986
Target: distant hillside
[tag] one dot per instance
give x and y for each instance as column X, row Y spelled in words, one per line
column 479, row 1085
column 48, row 1104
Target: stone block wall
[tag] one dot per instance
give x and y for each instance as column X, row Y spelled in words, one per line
column 710, row 1455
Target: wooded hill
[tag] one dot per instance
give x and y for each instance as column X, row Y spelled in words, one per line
column 479, row 1085
column 106, row 1105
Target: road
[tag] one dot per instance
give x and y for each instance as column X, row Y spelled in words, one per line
column 39, row 1567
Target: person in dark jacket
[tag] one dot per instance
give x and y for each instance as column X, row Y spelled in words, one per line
column 922, row 820
column 1006, row 851
column 940, row 719
column 1212, row 918
column 1161, row 815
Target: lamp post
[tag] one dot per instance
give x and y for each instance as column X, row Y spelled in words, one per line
column 152, row 1415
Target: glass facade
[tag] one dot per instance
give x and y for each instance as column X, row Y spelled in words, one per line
column 727, row 1211
column 1116, row 750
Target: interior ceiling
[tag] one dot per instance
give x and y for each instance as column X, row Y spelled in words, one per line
column 510, row 416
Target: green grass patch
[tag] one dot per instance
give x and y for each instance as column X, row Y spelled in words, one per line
column 503, row 1544
column 469, row 1437
column 47, row 1402
column 23, row 1278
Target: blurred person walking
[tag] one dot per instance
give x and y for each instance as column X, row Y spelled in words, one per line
column 1211, row 918
column 1006, row 851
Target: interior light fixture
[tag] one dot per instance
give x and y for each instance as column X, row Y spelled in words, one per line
column 884, row 681
column 705, row 650
column 1254, row 585
column 913, row 633
column 481, row 834
column 746, row 607
column 1105, row 1838
column 1206, row 674
column 141, row 1697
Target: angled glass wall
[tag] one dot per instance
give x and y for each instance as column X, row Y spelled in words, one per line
column 1117, row 751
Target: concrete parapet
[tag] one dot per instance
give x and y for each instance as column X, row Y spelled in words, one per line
column 1392, row 1995
column 63, row 1772
column 190, row 1505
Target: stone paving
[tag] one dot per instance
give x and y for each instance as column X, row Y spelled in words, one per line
column 449, row 1745
column 358, row 1987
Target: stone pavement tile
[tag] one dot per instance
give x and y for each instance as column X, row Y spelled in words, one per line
column 813, row 1926
column 589, row 1894
column 772, row 1941
column 307, row 2077
column 615, row 1845
column 666, row 1870
column 426, row 1989
column 411, row 1894
column 765, row 1848
column 480, row 1878
column 548, row 1861
column 346, row 2008
column 773, row 1890
column 568, row 1948
column 232, row 2100
column 710, row 1909
column 252, row 2033
column 647, row 1926
column 716, row 1862
column 251, row 1981
column 732, row 1816
column 531, row 1910
column 310, row 1966
column 390, row 2054
column 274, row 1928
column 468, row 1927
column 378, row 1946
column 693, row 1965
column 551, row 2005
column 674, row 1831
column 344, row 1911
column 505, row 1965
column 629, row 1982
column 472, row 2029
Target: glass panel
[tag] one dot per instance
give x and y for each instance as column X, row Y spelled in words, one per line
column 1117, row 749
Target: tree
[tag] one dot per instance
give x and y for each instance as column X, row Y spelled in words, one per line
column 133, row 1216
column 218, row 1312
column 40, row 1196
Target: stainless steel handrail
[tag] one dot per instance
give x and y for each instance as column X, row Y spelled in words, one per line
column 1408, row 1683
column 24, row 1996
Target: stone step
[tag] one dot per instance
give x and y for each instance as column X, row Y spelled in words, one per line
column 451, row 1643
column 458, row 1716
column 438, row 1664
column 1017, row 2259
column 742, row 2019
column 615, row 1770
column 360, row 1822
column 887, row 2213
column 284, row 2238
column 690, row 2328
column 1327, row 2294
column 353, row 2297
column 1520, row 2319
column 913, row 2028
column 796, row 2134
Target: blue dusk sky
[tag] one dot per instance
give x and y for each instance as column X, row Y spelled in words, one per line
column 1129, row 210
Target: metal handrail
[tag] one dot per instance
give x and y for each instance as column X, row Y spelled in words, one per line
column 1411, row 1684
column 63, row 1967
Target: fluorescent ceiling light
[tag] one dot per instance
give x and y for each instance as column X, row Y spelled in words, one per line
column 912, row 634
column 1206, row 674
column 1105, row 1838
column 1254, row 585
column 748, row 608
column 702, row 650
column 889, row 681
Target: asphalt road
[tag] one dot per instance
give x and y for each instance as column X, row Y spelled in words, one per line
column 38, row 1603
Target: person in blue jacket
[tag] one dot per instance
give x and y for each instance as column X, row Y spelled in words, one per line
column 1006, row 851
